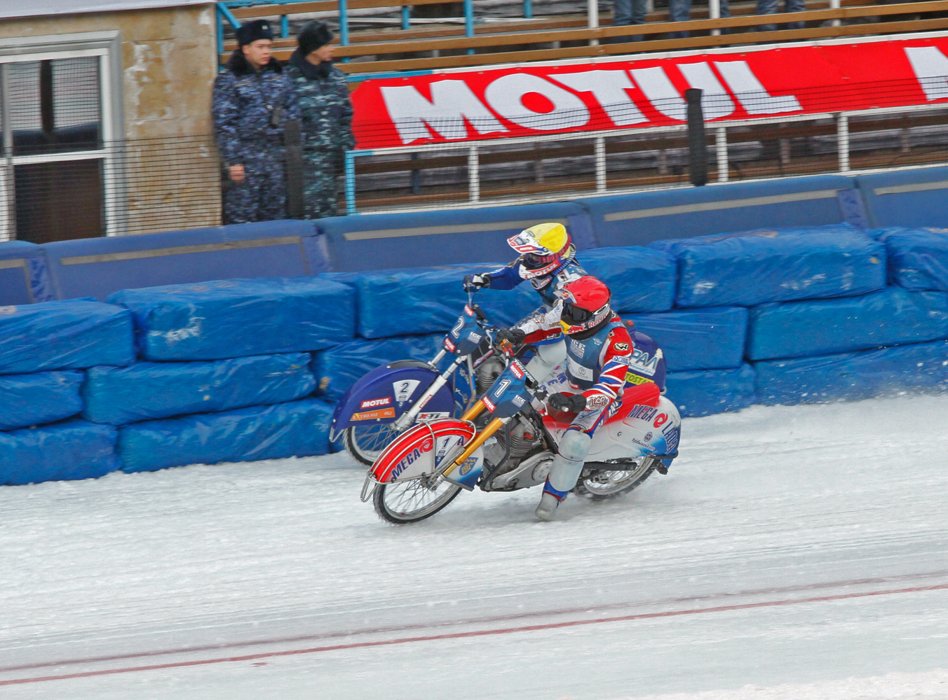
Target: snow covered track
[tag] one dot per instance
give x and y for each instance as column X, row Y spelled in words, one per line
column 791, row 549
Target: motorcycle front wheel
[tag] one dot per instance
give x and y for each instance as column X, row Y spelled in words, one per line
column 366, row 442
column 599, row 481
column 410, row 501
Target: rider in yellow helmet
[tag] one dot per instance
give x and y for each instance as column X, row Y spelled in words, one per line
column 547, row 258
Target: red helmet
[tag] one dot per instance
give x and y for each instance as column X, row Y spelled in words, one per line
column 585, row 305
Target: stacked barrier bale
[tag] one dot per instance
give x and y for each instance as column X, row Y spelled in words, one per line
column 45, row 350
column 167, row 376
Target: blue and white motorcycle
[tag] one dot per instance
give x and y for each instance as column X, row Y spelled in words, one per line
column 389, row 399
column 506, row 440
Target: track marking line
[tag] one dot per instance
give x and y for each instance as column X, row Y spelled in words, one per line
column 478, row 633
column 395, row 629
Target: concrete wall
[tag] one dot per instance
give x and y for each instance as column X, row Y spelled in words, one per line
column 168, row 63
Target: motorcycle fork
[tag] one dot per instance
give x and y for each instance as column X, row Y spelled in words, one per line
column 478, row 440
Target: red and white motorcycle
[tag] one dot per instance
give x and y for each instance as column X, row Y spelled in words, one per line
column 507, row 440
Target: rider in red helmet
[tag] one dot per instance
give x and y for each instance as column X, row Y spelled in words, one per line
column 599, row 349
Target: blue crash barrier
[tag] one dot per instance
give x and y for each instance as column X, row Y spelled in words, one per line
column 643, row 217
column 338, row 368
column 229, row 348
column 640, row 279
column 24, row 278
column 428, row 300
column 43, row 397
column 64, row 335
column 710, row 338
column 854, row 375
column 97, row 267
column 149, row 390
column 235, row 318
column 918, row 257
column 428, row 238
column 298, row 428
column 914, row 197
column 812, row 328
column 703, row 392
column 768, row 265
column 71, row 450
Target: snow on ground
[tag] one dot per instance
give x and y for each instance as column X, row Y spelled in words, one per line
column 792, row 552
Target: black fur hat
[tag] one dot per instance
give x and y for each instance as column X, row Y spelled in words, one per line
column 253, row 31
column 314, row 35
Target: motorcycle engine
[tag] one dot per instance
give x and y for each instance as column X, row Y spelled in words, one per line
column 509, row 446
column 486, row 373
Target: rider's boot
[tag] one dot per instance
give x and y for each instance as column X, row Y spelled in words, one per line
column 549, row 502
column 564, row 472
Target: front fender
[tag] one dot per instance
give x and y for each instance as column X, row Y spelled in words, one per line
column 386, row 392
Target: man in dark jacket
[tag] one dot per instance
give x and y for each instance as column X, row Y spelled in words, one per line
column 326, row 113
column 252, row 101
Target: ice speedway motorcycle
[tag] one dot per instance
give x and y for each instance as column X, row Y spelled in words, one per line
column 506, row 440
column 389, row 399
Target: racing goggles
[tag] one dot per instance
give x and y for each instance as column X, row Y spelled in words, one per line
column 576, row 320
column 535, row 265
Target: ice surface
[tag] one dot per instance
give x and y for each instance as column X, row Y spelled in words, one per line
column 792, row 552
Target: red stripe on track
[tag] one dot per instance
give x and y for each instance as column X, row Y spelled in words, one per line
column 479, row 633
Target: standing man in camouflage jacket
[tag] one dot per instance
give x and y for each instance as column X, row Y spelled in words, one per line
column 326, row 113
column 252, row 101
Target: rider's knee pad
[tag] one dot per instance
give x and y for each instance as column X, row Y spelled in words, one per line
column 546, row 359
column 574, row 445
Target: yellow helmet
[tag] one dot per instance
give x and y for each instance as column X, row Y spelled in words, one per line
column 543, row 248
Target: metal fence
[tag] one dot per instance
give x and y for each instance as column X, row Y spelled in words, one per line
column 563, row 165
column 129, row 187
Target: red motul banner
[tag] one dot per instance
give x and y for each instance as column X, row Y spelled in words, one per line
column 632, row 92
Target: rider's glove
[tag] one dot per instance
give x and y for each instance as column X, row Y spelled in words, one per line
column 567, row 403
column 474, row 282
column 514, row 336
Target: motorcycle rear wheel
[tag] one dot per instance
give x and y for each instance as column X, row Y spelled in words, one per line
column 366, row 442
column 410, row 501
column 601, row 482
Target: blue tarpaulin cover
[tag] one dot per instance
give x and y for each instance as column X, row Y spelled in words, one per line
column 918, row 257
column 247, row 434
column 426, row 300
column 703, row 392
column 810, row 328
column 64, row 335
column 640, row 279
column 338, row 368
column 429, row 300
column 73, row 450
column 854, row 375
column 711, row 338
column 150, row 390
column 756, row 267
column 34, row 399
column 235, row 318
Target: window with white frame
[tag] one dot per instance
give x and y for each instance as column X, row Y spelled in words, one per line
column 58, row 117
